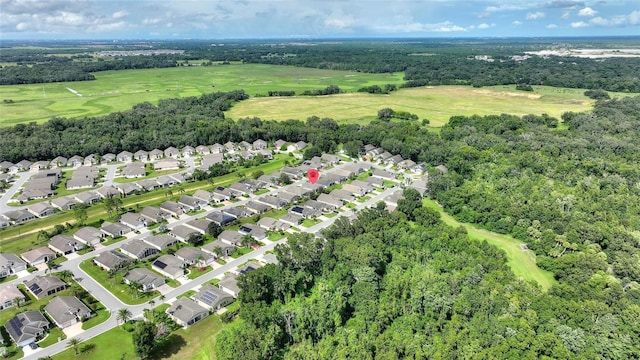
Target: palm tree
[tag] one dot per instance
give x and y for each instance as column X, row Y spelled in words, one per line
column 217, row 251
column 152, row 303
column 65, row 275
column 73, row 343
column 124, row 315
column 161, row 298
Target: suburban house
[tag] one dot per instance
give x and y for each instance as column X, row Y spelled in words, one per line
column 259, row 144
column 65, row 244
column 420, row 185
column 186, row 312
column 41, row 255
column 217, row 148
column 112, row 260
column 107, row 158
column 59, row 161
column 133, row 220
column 220, row 218
column 300, row 145
column 255, row 231
column 200, row 225
column 257, row 207
column 75, row 161
column 108, row 192
column 329, row 200
column 124, row 156
column 171, row 152
column 169, row 265
column 203, row 196
column 172, row 207
column 212, row 297
column 374, row 182
column 183, row 233
column 127, row 188
column 278, row 144
column 138, row 249
column 383, row 174
column 153, row 214
column 225, row 249
column 203, row 150
column 272, row 224
column 170, row 164
column 39, row 165
column 155, row 154
column 148, row 280
column 291, row 172
column 161, row 241
column 166, row 181
column 354, row 190
column 291, row 219
column 221, row 194
column 91, row 159
column 240, row 189
column 342, row 195
column 141, row 155
column 88, row 235
column 16, row 217
column 250, row 266
column 114, row 230
column 9, row 296
column 43, row 286
column 193, row 256
column 318, row 206
column 209, row 160
column 148, row 184
column 230, row 147
column 10, row 264
column 236, row 212
column 22, row 165
column 229, row 284
column 230, row 237
column 67, row 310
column 273, row 201
column 189, row 203
column 133, row 170
column 87, row 197
column 187, row 150
column 27, row 327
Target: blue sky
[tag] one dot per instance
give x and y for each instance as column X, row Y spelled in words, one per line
column 255, row 19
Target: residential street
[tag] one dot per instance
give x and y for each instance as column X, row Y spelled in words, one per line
column 113, row 304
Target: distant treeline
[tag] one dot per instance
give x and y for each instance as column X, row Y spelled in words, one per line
column 68, row 70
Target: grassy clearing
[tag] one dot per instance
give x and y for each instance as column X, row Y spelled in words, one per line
column 522, row 262
column 52, row 338
column 102, row 347
column 437, row 104
column 120, row 90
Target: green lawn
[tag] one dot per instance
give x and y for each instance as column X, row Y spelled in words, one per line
column 436, row 103
column 113, row 344
column 52, row 338
column 522, row 262
column 187, row 294
column 195, row 272
column 120, row 90
column 31, row 304
column 115, row 285
column 241, row 251
column 101, row 316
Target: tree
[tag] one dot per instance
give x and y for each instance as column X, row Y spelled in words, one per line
column 284, row 179
column 256, row 174
column 73, row 343
column 43, row 236
column 247, row 240
column 65, row 275
column 385, row 114
column 80, row 213
column 217, row 251
column 161, row 298
column 124, row 315
column 111, row 204
column 144, row 339
column 152, row 303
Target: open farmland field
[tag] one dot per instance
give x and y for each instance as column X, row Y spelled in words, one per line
column 437, row 104
column 120, row 90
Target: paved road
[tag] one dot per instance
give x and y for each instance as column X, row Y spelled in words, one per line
column 113, row 304
column 15, row 186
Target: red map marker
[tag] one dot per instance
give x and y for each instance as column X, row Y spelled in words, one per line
column 313, row 175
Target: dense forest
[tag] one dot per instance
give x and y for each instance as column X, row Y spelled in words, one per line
column 385, row 287
column 424, row 62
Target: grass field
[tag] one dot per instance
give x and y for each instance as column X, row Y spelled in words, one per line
column 120, row 90
column 522, row 262
column 437, row 104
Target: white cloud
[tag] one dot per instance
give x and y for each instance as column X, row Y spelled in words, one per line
column 486, row 26
column 579, row 24
column 119, row 14
column 552, row 26
column 517, row 23
column 622, row 20
column 587, row 12
column 415, row 27
column 565, row 15
column 536, row 15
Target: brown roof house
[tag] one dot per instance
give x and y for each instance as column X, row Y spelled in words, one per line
column 112, row 260
column 43, row 286
column 27, row 327
column 65, row 244
column 148, row 280
column 67, row 310
column 138, row 249
column 186, row 312
column 9, row 296
column 41, row 255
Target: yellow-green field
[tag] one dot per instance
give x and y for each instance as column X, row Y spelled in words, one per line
column 437, row 103
column 120, row 90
